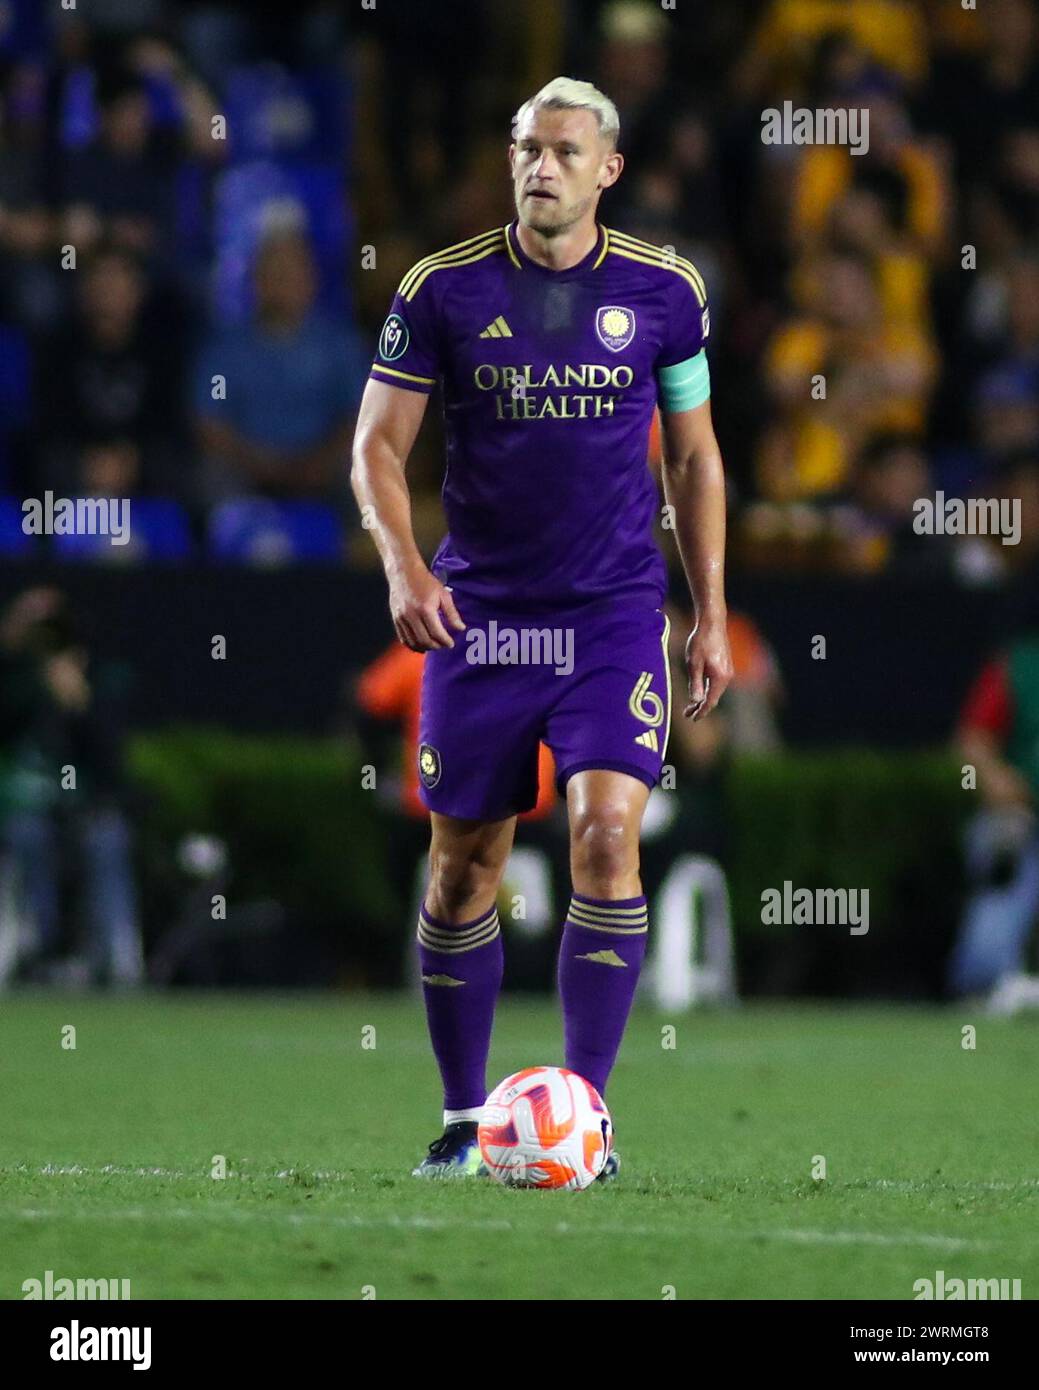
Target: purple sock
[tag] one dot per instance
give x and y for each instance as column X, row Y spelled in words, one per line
column 600, row 957
column 462, row 967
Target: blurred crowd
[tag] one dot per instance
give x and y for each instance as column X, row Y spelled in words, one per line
column 205, row 209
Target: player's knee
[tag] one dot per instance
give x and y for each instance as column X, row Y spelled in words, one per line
column 459, row 885
column 604, row 851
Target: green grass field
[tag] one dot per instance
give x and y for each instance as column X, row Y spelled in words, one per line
column 106, row 1151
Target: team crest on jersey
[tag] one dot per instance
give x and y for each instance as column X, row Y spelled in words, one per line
column 615, row 326
column 428, row 765
column 394, row 338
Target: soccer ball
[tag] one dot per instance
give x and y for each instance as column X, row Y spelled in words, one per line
column 545, row 1127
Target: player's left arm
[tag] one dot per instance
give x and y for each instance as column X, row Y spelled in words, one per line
column 694, row 485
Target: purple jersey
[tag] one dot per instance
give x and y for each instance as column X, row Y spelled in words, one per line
column 549, row 386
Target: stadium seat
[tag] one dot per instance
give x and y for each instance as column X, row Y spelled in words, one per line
column 276, row 114
column 256, row 531
column 15, row 374
column 159, row 530
column 13, row 540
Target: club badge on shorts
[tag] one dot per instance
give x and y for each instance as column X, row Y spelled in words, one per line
column 428, row 765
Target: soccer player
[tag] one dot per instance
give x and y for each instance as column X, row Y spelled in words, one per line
column 553, row 339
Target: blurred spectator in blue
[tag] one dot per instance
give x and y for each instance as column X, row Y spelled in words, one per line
column 1006, row 415
column 999, row 736
column 891, row 475
column 276, row 399
column 120, row 186
column 110, row 379
column 30, row 291
column 60, row 710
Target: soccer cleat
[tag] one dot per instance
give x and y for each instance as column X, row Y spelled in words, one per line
column 611, row 1168
column 456, row 1154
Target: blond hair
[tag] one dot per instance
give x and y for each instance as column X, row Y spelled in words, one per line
column 567, row 93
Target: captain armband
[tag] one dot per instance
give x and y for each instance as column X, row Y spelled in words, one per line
column 685, row 385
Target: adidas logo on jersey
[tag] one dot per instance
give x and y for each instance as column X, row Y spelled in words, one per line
column 498, row 329
column 648, row 740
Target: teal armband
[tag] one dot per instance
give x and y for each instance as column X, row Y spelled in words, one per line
column 685, row 385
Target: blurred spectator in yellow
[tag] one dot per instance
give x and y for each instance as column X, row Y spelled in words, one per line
column 838, row 373
column 780, row 55
column 908, row 176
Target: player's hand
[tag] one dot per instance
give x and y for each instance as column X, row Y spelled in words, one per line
column 709, row 665
column 417, row 599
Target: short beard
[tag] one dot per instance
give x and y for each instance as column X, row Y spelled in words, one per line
column 560, row 228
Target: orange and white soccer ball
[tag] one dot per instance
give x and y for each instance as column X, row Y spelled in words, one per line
column 545, row 1127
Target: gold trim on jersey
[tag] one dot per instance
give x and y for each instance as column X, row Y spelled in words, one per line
column 640, row 244
column 461, row 254
column 605, row 247
column 519, row 264
column 408, row 376
column 667, row 673
column 510, row 248
column 645, row 253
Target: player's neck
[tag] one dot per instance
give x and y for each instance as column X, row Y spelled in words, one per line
column 558, row 252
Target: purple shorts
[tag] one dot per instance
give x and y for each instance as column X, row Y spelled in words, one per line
column 593, row 683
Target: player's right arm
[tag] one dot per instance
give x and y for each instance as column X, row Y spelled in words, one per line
column 407, row 363
column 387, row 426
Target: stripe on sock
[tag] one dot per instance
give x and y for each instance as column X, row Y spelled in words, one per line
column 453, row 940
column 614, row 921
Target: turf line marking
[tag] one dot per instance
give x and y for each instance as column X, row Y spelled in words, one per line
column 432, row 1223
column 80, row 1170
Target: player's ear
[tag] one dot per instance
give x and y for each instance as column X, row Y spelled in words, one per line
column 612, row 166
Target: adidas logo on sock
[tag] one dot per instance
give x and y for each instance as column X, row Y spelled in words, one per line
column 604, row 958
